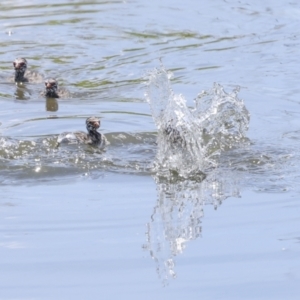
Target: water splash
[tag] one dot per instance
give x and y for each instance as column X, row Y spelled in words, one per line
column 190, row 140
column 177, row 216
column 176, row 219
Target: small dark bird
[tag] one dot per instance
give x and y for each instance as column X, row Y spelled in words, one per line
column 93, row 137
column 21, row 73
column 52, row 90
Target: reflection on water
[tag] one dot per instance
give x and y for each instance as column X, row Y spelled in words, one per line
column 210, row 138
column 177, row 215
column 190, row 142
column 22, row 92
column 51, row 104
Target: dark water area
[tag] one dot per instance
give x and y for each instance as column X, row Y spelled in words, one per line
column 80, row 222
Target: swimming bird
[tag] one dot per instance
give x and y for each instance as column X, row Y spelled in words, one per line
column 21, row 73
column 93, row 137
column 174, row 135
column 52, row 90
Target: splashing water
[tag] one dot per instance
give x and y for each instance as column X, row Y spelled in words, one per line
column 178, row 212
column 190, row 140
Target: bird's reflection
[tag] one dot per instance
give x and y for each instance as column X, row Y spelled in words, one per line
column 22, row 92
column 177, row 216
column 51, row 104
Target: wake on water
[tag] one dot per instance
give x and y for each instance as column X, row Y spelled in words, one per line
column 190, row 140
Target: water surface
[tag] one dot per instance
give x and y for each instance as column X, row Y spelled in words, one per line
column 81, row 223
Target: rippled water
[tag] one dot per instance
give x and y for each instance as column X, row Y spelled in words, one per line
column 79, row 222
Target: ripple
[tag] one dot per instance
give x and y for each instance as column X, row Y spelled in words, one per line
column 24, row 159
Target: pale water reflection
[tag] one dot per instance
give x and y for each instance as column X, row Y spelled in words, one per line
column 177, row 215
column 189, row 174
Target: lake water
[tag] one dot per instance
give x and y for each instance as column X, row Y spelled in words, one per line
column 79, row 223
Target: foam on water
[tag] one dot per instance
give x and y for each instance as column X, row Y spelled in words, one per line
column 190, row 140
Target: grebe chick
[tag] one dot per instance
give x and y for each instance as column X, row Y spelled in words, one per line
column 52, row 91
column 21, row 73
column 173, row 135
column 93, row 137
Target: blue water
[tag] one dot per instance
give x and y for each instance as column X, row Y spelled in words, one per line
column 76, row 223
